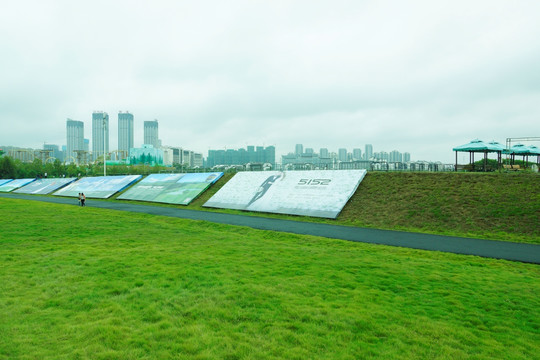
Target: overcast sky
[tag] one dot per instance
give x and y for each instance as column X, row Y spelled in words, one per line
column 415, row 76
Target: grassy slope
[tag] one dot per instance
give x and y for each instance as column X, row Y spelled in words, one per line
column 500, row 206
column 491, row 206
column 90, row 283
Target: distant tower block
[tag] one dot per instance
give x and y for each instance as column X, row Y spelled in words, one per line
column 75, row 138
column 151, row 133
column 125, row 134
column 99, row 119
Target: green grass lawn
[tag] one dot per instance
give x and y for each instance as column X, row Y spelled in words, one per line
column 86, row 283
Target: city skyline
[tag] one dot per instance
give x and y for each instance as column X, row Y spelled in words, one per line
column 150, row 130
column 332, row 74
column 325, row 156
column 126, row 121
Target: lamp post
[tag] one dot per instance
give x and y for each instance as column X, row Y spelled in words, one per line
column 104, row 156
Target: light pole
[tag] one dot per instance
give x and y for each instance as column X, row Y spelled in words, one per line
column 104, row 156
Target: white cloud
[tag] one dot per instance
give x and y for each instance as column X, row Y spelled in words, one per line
column 418, row 76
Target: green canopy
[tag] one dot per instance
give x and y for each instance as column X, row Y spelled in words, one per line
column 525, row 151
column 474, row 145
column 478, row 145
column 534, row 150
column 520, row 149
column 495, row 146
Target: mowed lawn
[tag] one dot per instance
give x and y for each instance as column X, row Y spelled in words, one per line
column 86, row 283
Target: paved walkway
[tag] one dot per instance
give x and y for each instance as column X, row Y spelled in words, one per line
column 529, row 253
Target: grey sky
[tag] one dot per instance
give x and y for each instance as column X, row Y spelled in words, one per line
column 416, row 76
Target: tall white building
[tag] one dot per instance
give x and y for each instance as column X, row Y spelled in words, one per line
column 406, row 157
column 299, row 149
column 75, row 139
column 197, row 159
column 151, row 133
column 368, row 154
column 357, row 154
column 323, row 153
column 168, row 155
column 395, row 156
column 125, row 133
column 187, row 157
column 342, row 154
column 100, row 120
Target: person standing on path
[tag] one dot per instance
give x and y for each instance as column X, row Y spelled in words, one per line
column 80, row 199
column 83, row 199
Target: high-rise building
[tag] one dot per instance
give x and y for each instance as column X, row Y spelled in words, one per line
column 368, row 154
column 406, row 157
column 75, row 139
column 342, row 154
column 270, row 155
column 177, row 155
column 395, row 156
column 197, row 159
column 299, row 149
column 323, row 153
column 309, row 151
column 125, row 133
column 357, row 154
column 187, row 157
column 151, row 133
column 100, row 134
column 259, row 154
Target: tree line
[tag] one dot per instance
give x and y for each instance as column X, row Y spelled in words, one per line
column 15, row 169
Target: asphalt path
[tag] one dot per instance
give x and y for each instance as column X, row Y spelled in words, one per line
column 528, row 253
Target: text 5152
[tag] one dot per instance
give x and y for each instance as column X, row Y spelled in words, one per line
column 314, row 182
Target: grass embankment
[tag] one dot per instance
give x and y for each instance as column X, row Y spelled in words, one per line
column 497, row 206
column 80, row 283
column 489, row 206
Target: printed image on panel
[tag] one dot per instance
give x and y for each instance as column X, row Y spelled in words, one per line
column 319, row 193
column 5, row 181
column 44, row 186
column 171, row 188
column 14, row 184
column 98, row 187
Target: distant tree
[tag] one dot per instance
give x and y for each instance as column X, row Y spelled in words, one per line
column 8, row 170
column 72, row 171
column 48, row 168
column 142, row 158
column 35, row 169
column 59, row 169
column 20, row 168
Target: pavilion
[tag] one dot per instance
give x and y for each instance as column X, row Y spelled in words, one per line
column 525, row 151
column 479, row 146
